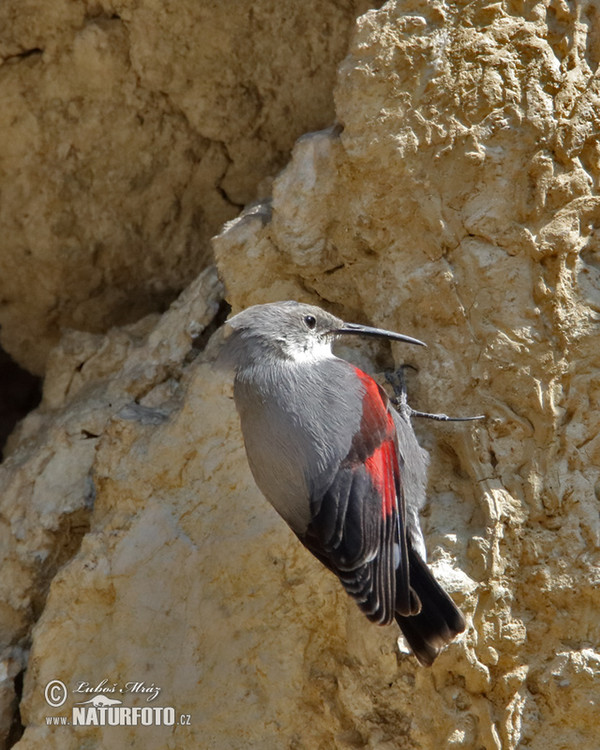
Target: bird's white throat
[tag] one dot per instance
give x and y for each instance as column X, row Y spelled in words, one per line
column 314, row 350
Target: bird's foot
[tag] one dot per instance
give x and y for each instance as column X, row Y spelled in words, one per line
column 397, row 380
column 399, row 400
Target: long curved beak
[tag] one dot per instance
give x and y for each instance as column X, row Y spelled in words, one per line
column 358, row 330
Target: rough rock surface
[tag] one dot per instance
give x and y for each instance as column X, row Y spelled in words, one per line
column 129, row 132
column 460, row 204
column 457, row 201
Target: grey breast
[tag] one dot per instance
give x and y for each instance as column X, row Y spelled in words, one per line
column 298, row 421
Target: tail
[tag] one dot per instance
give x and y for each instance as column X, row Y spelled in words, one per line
column 439, row 619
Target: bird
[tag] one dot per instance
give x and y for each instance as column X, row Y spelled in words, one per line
column 339, row 463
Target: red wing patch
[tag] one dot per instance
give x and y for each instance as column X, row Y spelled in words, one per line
column 377, row 430
column 381, row 465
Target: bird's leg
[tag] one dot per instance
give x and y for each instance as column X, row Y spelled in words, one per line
column 398, row 382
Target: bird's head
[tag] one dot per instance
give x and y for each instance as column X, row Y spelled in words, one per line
column 291, row 331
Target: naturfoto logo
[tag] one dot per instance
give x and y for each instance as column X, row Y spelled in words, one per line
column 104, row 708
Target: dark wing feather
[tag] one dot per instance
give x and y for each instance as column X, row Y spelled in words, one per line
column 358, row 527
column 439, row 619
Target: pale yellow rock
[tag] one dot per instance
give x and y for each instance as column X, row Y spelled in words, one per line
column 129, row 132
column 459, row 204
column 47, row 483
column 188, row 581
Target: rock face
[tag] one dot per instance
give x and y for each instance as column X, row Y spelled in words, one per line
column 129, row 132
column 459, row 203
column 457, row 200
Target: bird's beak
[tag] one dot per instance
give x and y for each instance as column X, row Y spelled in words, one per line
column 358, row 330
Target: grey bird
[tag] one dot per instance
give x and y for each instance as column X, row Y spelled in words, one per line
column 340, row 465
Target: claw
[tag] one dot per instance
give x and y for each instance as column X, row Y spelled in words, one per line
column 399, row 400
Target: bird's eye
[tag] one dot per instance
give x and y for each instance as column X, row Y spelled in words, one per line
column 310, row 321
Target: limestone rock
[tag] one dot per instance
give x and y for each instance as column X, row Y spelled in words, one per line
column 47, row 483
column 456, row 201
column 184, row 578
column 129, row 132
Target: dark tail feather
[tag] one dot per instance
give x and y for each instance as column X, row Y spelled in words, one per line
column 439, row 619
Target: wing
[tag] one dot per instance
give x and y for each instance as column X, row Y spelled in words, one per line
column 358, row 525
